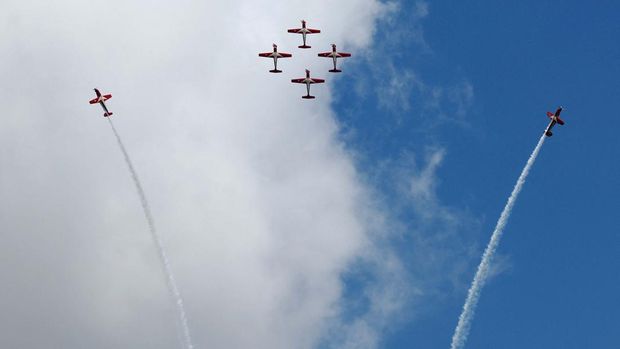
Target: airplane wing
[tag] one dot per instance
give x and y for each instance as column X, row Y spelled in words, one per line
column 93, row 101
column 285, row 55
column 317, row 81
column 299, row 81
column 106, row 97
column 549, row 114
column 265, row 54
column 329, row 54
column 310, row 31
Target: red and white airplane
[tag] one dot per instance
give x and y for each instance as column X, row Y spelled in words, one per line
column 308, row 81
column 555, row 118
column 304, row 31
column 101, row 100
column 334, row 54
column 275, row 55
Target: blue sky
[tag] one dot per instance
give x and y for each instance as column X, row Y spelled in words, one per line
column 559, row 282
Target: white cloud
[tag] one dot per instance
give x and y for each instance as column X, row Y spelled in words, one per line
column 437, row 250
column 423, row 184
column 420, row 9
column 395, row 82
column 260, row 205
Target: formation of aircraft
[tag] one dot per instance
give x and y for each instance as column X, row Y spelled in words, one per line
column 304, row 31
column 308, row 81
column 555, row 119
column 101, row 100
column 334, row 55
column 275, row 55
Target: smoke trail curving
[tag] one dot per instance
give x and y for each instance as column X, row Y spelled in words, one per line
column 473, row 295
column 171, row 282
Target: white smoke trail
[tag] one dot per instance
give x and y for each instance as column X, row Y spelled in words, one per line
column 171, row 282
column 473, row 295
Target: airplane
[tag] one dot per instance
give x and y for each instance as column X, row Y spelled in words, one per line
column 304, row 31
column 101, row 100
column 334, row 55
column 308, row 81
column 275, row 55
column 555, row 118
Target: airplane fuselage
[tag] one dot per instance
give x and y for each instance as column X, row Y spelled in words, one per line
column 307, row 80
column 105, row 109
column 100, row 99
column 555, row 119
column 552, row 123
column 275, row 54
column 334, row 54
column 304, row 31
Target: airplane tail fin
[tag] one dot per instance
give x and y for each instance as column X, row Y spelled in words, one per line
column 335, row 71
column 560, row 121
column 275, row 71
column 304, row 46
column 308, row 97
column 549, row 133
column 107, row 114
